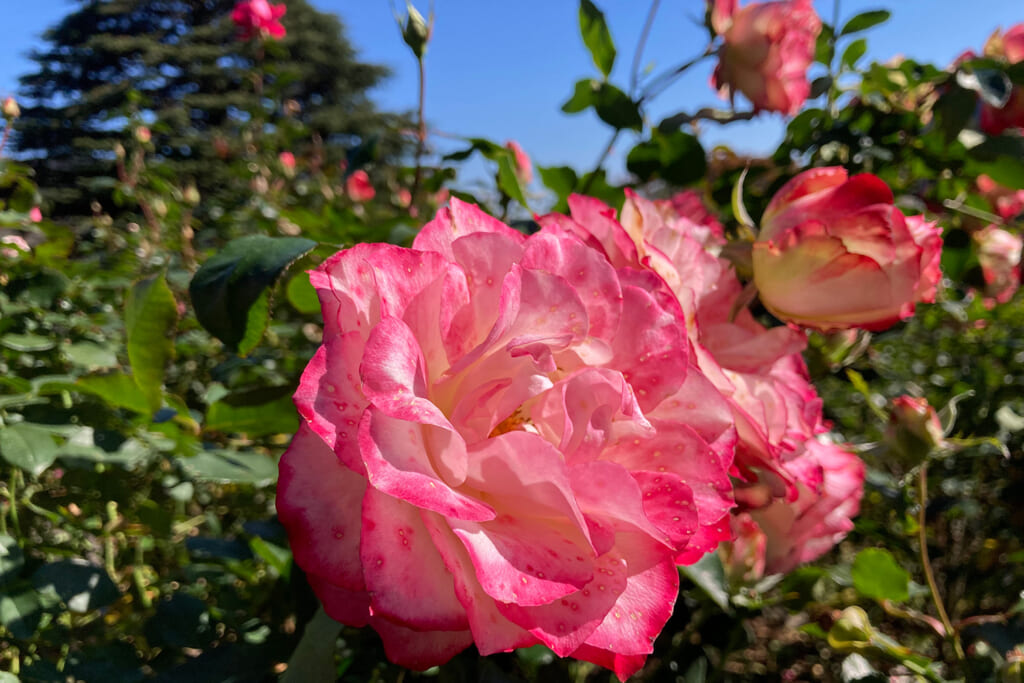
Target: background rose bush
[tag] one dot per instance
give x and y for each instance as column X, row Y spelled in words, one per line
column 148, row 363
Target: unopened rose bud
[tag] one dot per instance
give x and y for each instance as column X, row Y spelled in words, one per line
column 35, row 215
column 852, row 631
column 416, row 31
column 914, row 429
column 143, row 134
column 10, row 108
column 191, row 195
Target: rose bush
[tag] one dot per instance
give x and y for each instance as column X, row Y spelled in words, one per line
column 1008, row 47
column 505, row 442
column 766, row 50
column 835, row 253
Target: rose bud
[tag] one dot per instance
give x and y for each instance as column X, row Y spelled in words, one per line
column 835, row 253
column 914, row 429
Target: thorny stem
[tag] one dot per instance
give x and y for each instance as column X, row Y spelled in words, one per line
column 922, row 535
column 421, row 132
column 634, row 73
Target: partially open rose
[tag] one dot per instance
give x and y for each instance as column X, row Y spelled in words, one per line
column 505, row 442
column 835, row 253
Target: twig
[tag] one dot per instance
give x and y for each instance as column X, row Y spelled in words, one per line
column 922, row 535
column 634, row 73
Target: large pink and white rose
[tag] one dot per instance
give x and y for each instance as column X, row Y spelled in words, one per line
column 505, row 442
column 834, row 253
column 766, row 50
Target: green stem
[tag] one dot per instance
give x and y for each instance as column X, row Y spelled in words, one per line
column 600, row 161
column 12, row 498
column 922, row 535
column 634, row 73
column 421, row 132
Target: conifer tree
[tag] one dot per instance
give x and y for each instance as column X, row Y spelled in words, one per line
column 179, row 67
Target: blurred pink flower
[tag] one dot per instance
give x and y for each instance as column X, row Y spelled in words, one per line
column 287, row 160
column 999, row 253
column 404, row 198
column 35, row 215
column 1007, row 203
column 358, row 187
column 505, row 442
column 766, row 50
column 1008, row 47
column 258, row 19
column 834, row 253
column 523, row 166
column 17, row 243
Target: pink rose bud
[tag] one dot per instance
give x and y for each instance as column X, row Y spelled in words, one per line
column 10, row 108
column 35, row 215
column 914, row 429
column 835, row 253
column 766, row 50
column 143, row 134
column 358, row 187
column 404, row 198
column 258, row 18
column 999, row 254
column 287, row 160
column 523, row 167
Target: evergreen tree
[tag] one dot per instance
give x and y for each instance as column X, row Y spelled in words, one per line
column 179, row 67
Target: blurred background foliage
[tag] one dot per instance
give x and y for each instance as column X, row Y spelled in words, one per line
column 138, row 537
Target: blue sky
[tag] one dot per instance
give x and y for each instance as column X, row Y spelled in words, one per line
column 503, row 69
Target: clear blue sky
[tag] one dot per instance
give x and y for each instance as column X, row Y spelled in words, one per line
column 503, row 69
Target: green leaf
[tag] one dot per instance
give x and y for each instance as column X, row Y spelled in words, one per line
column 274, row 417
column 953, row 110
column 853, row 52
column 611, row 104
column 12, row 559
column 877, row 575
column 150, row 316
column 255, row 323
column 277, row 557
column 313, row 659
column 228, row 467
column 27, row 343
column 865, row 20
column 825, row 47
column 231, row 282
column 83, row 587
column 676, row 157
column 301, row 294
column 709, row 575
column 596, row 37
column 562, row 181
column 91, row 356
column 20, row 614
column 508, row 182
column 117, row 389
column 28, row 446
column 1001, row 158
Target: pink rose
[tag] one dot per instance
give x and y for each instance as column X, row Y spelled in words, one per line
column 778, row 538
column 835, row 253
column 766, row 50
column 505, row 442
column 35, row 215
column 358, row 187
column 523, row 167
column 258, row 18
column 999, row 253
column 287, row 160
column 780, row 465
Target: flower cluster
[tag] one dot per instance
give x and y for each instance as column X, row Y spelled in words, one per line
column 510, row 439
